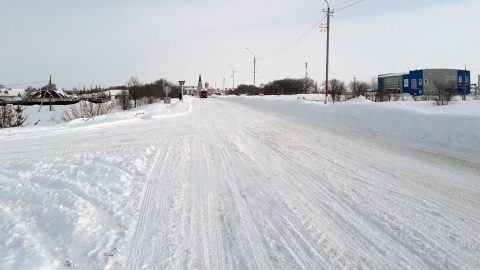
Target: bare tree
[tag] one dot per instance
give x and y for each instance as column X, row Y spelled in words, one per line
column 336, row 89
column 358, row 88
column 124, row 100
column 49, row 87
column 373, row 87
column 29, row 91
column 307, row 85
column 134, row 85
column 444, row 92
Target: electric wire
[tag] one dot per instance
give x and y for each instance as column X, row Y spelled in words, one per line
column 295, row 41
column 342, row 8
column 24, row 83
column 243, row 68
column 308, row 31
column 341, row 3
column 298, row 39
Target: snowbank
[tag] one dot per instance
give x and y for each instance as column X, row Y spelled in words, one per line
column 451, row 128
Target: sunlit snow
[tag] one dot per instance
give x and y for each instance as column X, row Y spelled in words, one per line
column 245, row 183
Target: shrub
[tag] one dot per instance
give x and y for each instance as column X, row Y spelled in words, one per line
column 11, row 116
column 82, row 109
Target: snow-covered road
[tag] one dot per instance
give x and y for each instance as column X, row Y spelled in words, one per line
column 232, row 186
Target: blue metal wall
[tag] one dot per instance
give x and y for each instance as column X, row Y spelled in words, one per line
column 381, row 82
column 464, row 85
column 417, row 77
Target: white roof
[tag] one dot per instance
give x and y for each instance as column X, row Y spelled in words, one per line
column 115, row 92
column 11, row 92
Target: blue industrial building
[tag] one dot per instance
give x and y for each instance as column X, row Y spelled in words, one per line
column 421, row 82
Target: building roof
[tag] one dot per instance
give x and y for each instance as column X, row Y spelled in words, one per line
column 115, row 92
column 392, row 74
column 11, row 92
column 48, row 94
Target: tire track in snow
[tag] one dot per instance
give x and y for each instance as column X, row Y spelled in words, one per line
column 160, row 167
column 249, row 162
column 337, row 169
column 173, row 209
column 346, row 214
column 291, row 227
column 234, row 195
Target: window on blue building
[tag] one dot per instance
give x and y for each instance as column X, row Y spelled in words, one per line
column 420, row 82
column 414, row 83
column 460, row 79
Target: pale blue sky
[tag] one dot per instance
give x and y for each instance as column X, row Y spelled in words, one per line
column 106, row 42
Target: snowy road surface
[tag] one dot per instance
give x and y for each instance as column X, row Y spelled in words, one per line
column 230, row 185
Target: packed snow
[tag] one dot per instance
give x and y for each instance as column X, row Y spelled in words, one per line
column 245, row 183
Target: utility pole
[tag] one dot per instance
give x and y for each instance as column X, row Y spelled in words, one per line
column 354, row 85
column 254, row 69
column 181, row 84
column 306, row 78
column 233, row 75
column 465, row 84
column 50, row 92
column 329, row 14
column 223, row 89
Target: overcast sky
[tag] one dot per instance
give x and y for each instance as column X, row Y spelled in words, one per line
column 104, row 42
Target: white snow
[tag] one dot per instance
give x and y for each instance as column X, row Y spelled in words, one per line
column 245, row 183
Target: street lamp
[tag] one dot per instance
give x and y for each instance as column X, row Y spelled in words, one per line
column 233, row 84
column 254, row 69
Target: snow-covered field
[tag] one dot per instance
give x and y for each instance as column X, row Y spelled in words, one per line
column 245, row 183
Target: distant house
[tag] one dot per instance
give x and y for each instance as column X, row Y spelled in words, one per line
column 8, row 94
column 189, row 90
column 421, row 82
column 114, row 93
column 18, row 97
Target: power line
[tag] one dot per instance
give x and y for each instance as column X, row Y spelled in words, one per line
column 341, row 3
column 25, row 83
column 295, row 41
column 342, row 8
column 243, row 69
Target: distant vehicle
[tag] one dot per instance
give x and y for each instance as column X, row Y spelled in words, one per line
column 203, row 94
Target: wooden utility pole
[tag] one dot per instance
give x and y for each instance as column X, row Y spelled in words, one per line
column 329, row 14
column 50, row 92
column 465, row 84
